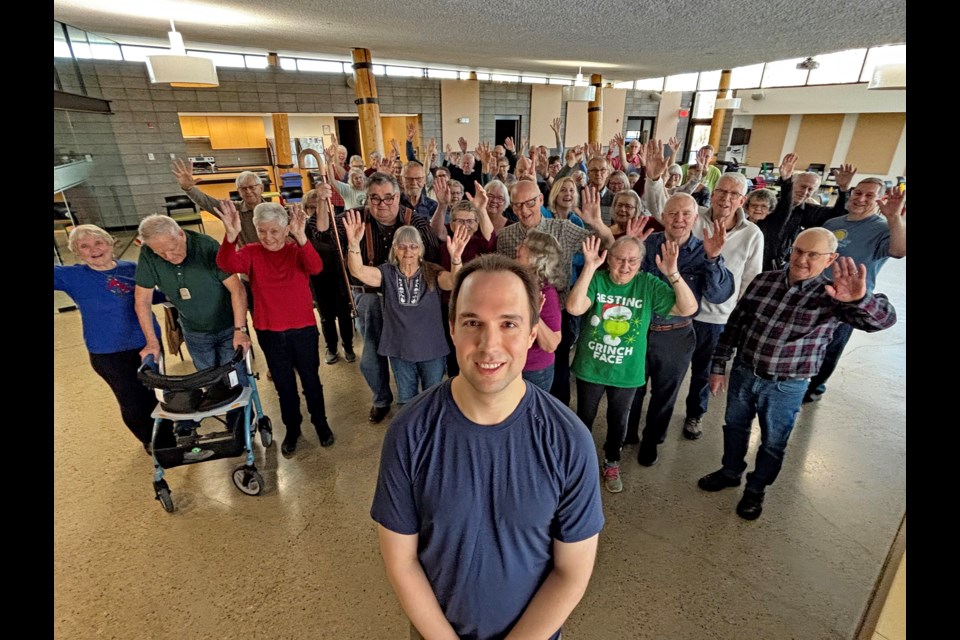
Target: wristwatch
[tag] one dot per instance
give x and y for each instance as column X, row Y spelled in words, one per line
column 241, row 329
column 675, row 277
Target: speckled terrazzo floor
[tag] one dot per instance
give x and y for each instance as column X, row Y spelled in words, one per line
column 301, row 561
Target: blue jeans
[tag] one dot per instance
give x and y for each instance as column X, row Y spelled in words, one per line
column 373, row 366
column 777, row 405
column 210, row 350
column 698, row 397
column 414, row 377
column 542, row 378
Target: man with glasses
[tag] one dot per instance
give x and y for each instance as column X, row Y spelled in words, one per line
column 413, row 178
column 249, row 187
column 743, row 256
column 382, row 216
column 527, row 201
column 871, row 232
column 779, row 331
column 793, row 212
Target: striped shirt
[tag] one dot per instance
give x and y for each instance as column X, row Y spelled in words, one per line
column 782, row 329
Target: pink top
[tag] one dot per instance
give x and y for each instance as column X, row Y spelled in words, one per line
column 279, row 280
column 537, row 358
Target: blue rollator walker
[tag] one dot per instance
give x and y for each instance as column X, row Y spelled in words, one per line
column 230, row 391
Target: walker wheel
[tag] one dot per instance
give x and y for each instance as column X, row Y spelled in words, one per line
column 163, row 495
column 249, row 481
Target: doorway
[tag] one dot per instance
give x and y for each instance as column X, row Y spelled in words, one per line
column 640, row 128
column 348, row 133
column 507, row 127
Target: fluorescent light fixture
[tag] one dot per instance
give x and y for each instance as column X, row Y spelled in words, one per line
column 889, row 76
column 180, row 70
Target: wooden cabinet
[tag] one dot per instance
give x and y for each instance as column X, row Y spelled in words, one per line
column 194, row 126
column 236, row 132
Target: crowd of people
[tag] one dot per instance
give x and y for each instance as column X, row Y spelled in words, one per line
column 493, row 267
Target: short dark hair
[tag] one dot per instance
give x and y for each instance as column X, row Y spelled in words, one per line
column 383, row 178
column 553, row 159
column 493, row 263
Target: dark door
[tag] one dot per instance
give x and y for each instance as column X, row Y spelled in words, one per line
column 507, row 127
column 348, row 133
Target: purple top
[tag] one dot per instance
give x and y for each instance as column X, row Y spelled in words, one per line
column 537, row 358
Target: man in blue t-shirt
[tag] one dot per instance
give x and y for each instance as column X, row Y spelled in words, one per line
column 488, row 499
column 871, row 232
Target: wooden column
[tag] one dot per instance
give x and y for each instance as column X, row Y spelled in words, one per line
column 281, row 137
column 595, row 110
column 716, row 125
column 368, row 105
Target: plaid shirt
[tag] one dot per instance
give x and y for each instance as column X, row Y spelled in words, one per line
column 569, row 235
column 783, row 330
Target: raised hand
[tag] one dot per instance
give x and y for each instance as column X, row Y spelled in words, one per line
column 394, row 148
column 448, row 149
column 555, row 125
column 298, row 223
column 894, row 205
column 463, row 144
column 411, row 131
column 590, row 206
column 636, row 227
column 385, row 165
column 674, row 145
column 441, row 192
column 849, row 283
column 578, row 153
column 592, row 257
column 667, row 260
column 523, row 146
column 458, row 242
column 480, row 199
column 788, row 164
column 713, row 244
column 617, row 141
column 509, row 145
column 641, row 156
column 656, row 161
column 184, row 174
column 353, row 225
column 595, row 149
column 432, row 147
column 845, row 175
column 228, row 214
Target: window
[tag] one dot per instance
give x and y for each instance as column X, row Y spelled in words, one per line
column 288, row 64
column 139, row 54
column 533, row 80
column 561, row 81
column 650, row 84
column 681, row 82
column 404, row 72
column 703, row 105
column 221, row 59
column 748, row 77
column 255, row 62
column 709, row 80
column 623, row 85
column 323, row 66
column 882, row 55
column 503, row 77
column 784, row 73
column 441, row 73
column 839, row 67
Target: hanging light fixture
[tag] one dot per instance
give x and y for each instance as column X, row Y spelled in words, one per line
column 580, row 91
column 179, row 69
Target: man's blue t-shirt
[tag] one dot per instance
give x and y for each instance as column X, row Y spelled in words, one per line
column 866, row 241
column 487, row 501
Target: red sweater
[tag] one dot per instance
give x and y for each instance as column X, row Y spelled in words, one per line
column 279, row 280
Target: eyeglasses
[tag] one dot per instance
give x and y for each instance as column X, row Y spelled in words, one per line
column 407, row 246
column 633, row 262
column 810, row 254
column 376, row 200
column 249, row 187
column 532, row 203
column 626, row 206
column 601, row 170
column 724, row 192
column 759, row 206
column 496, row 199
column 464, row 221
column 415, row 178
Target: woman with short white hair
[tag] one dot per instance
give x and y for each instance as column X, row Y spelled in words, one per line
column 279, row 267
column 103, row 287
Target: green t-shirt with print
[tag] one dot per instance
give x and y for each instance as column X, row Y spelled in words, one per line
column 612, row 348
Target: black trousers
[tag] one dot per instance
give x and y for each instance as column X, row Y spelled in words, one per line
column 290, row 353
column 618, row 408
column 334, row 308
column 569, row 330
column 119, row 370
column 668, row 357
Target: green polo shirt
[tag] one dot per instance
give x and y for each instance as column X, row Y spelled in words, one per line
column 713, row 176
column 208, row 309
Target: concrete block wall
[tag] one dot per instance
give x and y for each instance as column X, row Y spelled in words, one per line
column 128, row 186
